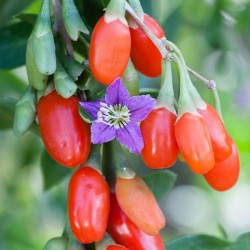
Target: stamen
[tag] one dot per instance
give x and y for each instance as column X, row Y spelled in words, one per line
column 117, row 116
column 103, row 104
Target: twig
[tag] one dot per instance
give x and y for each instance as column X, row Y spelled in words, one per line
column 211, row 84
column 160, row 44
column 58, row 27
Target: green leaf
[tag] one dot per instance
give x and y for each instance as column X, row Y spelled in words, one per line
column 64, row 84
column 13, row 42
column 94, row 89
column 52, row 171
column 8, row 8
column 25, row 112
column 7, row 110
column 43, row 41
column 72, row 20
column 242, row 242
column 160, row 182
column 222, row 231
column 26, row 17
column 198, row 242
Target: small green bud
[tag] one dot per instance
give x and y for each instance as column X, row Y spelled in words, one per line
column 25, row 112
column 36, row 78
column 72, row 20
column 43, row 41
column 64, row 84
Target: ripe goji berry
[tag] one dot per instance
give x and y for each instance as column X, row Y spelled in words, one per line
column 65, row 135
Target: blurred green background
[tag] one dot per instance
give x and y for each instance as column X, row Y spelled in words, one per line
column 214, row 38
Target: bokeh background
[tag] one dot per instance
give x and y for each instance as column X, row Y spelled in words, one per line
column 214, row 38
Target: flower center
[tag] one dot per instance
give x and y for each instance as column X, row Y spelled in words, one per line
column 117, row 116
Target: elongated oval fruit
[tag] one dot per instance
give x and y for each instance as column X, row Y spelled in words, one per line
column 139, row 204
column 65, row 135
column 160, row 147
column 125, row 232
column 221, row 141
column 109, row 50
column 193, row 139
column 116, row 247
column 144, row 54
column 225, row 174
column 88, row 205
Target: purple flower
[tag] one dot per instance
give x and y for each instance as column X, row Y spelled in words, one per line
column 117, row 116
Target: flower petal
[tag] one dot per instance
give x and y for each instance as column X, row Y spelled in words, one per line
column 140, row 107
column 101, row 133
column 116, row 93
column 131, row 137
column 92, row 107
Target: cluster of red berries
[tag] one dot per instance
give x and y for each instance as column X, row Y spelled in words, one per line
column 113, row 43
column 92, row 207
column 199, row 135
column 202, row 141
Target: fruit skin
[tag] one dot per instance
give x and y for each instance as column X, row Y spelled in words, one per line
column 116, row 247
column 88, row 205
column 193, row 138
column 160, row 147
column 125, row 232
column 139, row 204
column 225, row 174
column 144, row 54
column 221, row 141
column 65, row 135
column 109, row 50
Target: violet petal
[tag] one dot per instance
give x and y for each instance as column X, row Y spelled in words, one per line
column 140, row 107
column 116, row 93
column 101, row 133
column 131, row 137
column 92, row 107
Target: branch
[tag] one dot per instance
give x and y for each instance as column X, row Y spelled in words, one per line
column 159, row 43
column 211, row 84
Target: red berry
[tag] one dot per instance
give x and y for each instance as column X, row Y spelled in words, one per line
column 144, row 54
column 65, row 135
column 126, row 233
column 139, row 204
column 225, row 173
column 109, row 50
column 160, row 147
column 221, row 141
column 116, row 247
column 88, row 205
column 193, row 139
